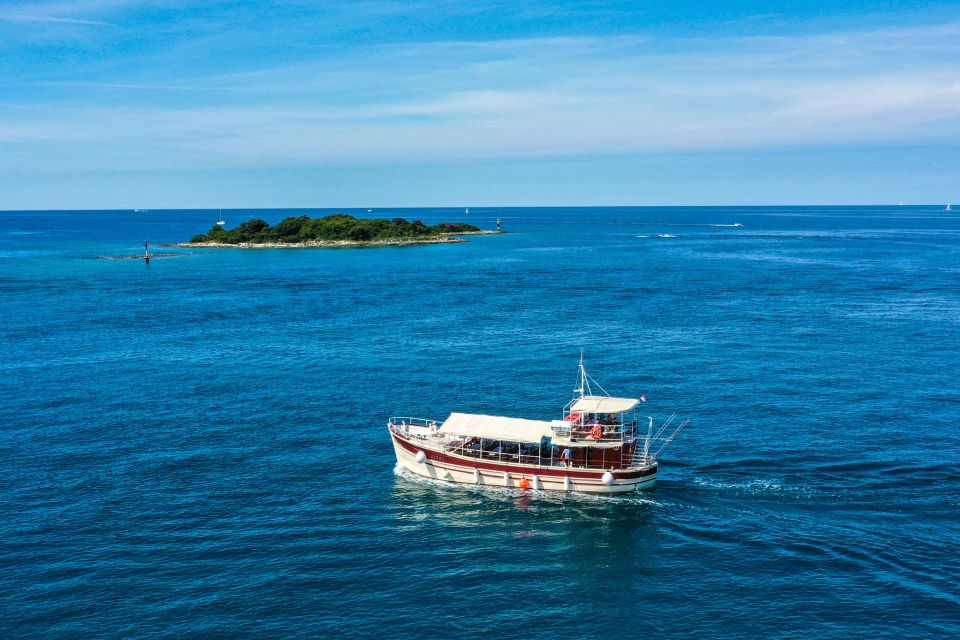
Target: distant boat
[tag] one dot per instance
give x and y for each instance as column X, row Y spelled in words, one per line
column 221, row 222
column 466, row 210
column 948, row 207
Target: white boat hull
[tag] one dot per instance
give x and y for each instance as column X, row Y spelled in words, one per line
column 438, row 465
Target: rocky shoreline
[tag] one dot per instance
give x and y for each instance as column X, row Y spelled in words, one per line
column 335, row 244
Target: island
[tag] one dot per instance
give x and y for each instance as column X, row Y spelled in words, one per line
column 336, row 230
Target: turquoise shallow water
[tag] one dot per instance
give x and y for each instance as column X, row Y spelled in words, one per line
column 196, row 448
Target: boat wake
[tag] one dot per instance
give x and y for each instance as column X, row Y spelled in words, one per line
column 761, row 487
column 685, row 224
column 139, row 257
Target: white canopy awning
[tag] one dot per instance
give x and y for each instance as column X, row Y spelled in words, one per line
column 476, row 425
column 603, row 404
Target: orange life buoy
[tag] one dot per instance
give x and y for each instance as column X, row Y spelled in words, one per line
column 597, row 432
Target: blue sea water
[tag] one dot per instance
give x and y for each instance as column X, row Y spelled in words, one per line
column 197, row 447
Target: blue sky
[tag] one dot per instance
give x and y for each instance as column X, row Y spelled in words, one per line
column 127, row 103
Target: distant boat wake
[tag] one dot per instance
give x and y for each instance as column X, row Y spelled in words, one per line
column 685, row 224
column 139, row 256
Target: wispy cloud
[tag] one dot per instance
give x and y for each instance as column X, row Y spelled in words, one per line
column 135, row 86
column 54, row 19
column 516, row 98
column 67, row 13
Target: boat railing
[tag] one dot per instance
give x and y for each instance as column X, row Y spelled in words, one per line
column 415, row 422
column 549, row 460
column 411, row 426
column 531, row 457
column 656, row 443
column 618, row 432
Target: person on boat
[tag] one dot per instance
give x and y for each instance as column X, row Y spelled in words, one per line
column 567, row 457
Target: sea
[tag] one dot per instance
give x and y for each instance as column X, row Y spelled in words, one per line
column 197, row 447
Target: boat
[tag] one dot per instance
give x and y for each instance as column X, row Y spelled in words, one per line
column 598, row 446
column 221, row 222
column 948, row 207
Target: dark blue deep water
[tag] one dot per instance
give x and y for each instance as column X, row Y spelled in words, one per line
column 197, row 448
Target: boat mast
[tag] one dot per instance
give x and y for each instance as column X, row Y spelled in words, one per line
column 584, row 388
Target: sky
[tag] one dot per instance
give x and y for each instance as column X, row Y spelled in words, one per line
column 112, row 104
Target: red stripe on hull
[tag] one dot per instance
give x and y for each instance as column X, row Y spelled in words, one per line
column 561, row 472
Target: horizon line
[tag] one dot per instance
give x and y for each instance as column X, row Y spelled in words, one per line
column 444, row 207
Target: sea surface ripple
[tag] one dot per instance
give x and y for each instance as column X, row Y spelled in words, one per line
column 197, row 447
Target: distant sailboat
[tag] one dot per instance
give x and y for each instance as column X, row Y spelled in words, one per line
column 467, row 210
column 948, row 207
column 221, row 222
